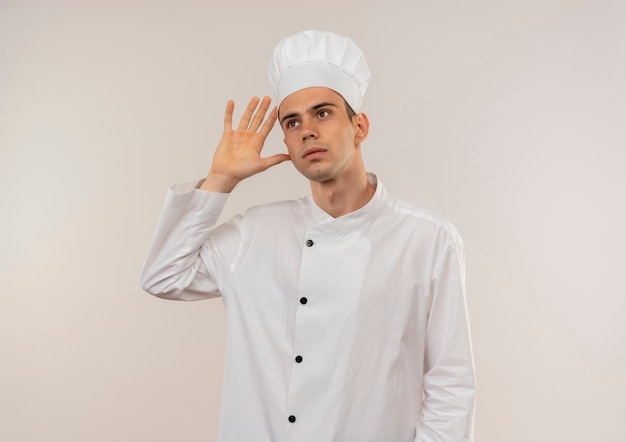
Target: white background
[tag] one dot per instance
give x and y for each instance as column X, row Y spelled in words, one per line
column 508, row 118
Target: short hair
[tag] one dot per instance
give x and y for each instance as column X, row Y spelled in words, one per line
column 349, row 110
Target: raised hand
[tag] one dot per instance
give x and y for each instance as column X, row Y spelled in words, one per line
column 238, row 155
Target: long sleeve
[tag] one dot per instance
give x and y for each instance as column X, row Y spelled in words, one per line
column 189, row 258
column 319, row 327
column 449, row 379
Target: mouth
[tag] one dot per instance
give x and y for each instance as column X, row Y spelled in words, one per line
column 313, row 153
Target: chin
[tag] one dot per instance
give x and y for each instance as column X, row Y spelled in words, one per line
column 318, row 177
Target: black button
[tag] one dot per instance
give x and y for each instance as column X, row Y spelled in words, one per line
column 292, row 418
column 303, row 300
column 309, row 243
column 298, row 359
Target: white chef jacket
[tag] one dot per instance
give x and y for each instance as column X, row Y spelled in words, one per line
column 348, row 329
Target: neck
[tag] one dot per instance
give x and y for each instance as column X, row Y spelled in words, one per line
column 341, row 196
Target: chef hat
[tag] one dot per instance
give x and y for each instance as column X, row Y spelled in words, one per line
column 319, row 59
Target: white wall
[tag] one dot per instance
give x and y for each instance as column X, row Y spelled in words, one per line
column 509, row 118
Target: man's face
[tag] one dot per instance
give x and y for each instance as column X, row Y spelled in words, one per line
column 320, row 137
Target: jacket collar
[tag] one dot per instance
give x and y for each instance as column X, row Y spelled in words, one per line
column 352, row 220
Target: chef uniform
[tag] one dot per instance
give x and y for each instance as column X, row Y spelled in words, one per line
column 347, row 329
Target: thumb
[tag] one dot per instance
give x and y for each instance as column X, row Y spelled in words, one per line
column 273, row 160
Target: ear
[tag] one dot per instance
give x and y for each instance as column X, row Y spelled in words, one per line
column 362, row 126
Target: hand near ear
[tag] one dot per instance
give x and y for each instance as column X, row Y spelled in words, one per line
column 238, row 155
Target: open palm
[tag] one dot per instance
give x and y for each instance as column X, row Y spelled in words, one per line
column 238, row 155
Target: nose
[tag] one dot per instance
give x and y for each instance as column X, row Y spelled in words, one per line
column 308, row 133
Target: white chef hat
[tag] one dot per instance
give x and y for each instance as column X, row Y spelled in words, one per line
column 319, row 59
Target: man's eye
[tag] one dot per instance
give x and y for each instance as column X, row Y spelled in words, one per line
column 324, row 113
column 291, row 123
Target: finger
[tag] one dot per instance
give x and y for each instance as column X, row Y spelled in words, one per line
column 269, row 123
column 275, row 159
column 228, row 116
column 260, row 114
column 247, row 114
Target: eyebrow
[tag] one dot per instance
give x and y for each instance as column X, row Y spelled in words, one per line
column 312, row 108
